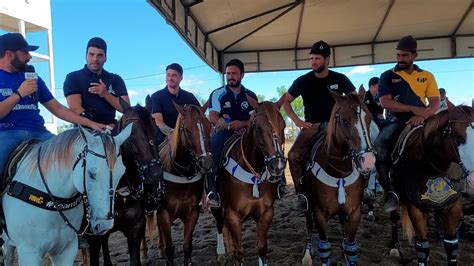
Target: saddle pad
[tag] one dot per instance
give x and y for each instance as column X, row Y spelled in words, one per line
column 431, row 193
column 14, row 159
column 228, row 145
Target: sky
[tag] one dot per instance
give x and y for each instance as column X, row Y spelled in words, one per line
column 141, row 44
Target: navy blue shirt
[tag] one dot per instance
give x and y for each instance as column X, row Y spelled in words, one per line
column 162, row 102
column 224, row 101
column 78, row 82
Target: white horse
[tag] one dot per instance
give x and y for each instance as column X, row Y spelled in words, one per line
column 76, row 161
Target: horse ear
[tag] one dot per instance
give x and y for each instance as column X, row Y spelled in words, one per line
column 336, row 96
column 361, row 93
column 252, row 102
column 178, row 108
column 123, row 135
column 125, row 106
column 148, row 103
column 205, row 106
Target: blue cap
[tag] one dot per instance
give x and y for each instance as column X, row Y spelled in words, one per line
column 15, row 42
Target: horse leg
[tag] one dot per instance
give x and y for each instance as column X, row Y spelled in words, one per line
column 234, row 223
column 309, row 249
column 394, row 242
column 263, row 224
column 134, row 238
column 166, row 244
column 31, row 257
column 450, row 220
column 189, row 226
column 67, row 255
column 349, row 245
column 322, row 243
column 95, row 243
column 418, row 219
column 217, row 213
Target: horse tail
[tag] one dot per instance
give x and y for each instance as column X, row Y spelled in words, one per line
column 407, row 224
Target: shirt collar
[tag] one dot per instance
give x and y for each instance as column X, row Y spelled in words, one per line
column 242, row 89
column 88, row 72
column 397, row 69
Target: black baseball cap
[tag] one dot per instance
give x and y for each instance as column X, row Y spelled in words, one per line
column 373, row 81
column 407, row 43
column 321, row 48
column 177, row 67
column 97, row 42
column 15, row 42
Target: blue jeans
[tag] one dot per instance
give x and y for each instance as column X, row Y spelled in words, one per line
column 12, row 138
column 217, row 144
column 384, row 145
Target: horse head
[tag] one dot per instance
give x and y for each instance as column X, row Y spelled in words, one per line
column 193, row 131
column 349, row 130
column 141, row 149
column 451, row 137
column 266, row 128
column 96, row 174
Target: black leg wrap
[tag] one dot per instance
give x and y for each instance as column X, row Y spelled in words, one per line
column 324, row 251
column 451, row 246
column 422, row 251
column 350, row 251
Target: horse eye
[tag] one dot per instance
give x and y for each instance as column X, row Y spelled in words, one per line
column 92, row 173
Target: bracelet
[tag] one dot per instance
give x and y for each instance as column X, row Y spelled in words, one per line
column 19, row 95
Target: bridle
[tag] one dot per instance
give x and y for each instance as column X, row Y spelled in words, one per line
column 82, row 157
column 196, row 159
column 279, row 155
column 352, row 154
column 448, row 131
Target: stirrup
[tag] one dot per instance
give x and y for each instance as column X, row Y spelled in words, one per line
column 306, row 204
column 386, row 201
column 218, row 200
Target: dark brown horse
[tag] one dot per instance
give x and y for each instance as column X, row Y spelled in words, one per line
column 334, row 179
column 421, row 178
column 186, row 159
column 136, row 188
column 248, row 180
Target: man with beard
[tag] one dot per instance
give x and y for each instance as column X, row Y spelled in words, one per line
column 20, row 118
column 229, row 112
column 93, row 92
column 314, row 87
column 403, row 90
column 163, row 110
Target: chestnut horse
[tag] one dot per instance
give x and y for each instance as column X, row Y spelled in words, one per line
column 421, row 179
column 334, row 179
column 248, row 179
column 185, row 159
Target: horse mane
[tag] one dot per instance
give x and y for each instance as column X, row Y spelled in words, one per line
column 168, row 152
column 439, row 120
column 350, row 100
column 59, row 152
column 273, row 115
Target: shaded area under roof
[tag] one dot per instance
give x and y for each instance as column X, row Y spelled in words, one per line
column 272, row 35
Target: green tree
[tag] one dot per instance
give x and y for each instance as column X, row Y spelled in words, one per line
column 297, row 103
column 260, row 97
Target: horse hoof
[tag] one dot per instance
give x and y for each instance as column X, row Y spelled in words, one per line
column 394, row 252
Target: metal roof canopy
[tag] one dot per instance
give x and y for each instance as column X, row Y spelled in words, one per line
column 272, row 35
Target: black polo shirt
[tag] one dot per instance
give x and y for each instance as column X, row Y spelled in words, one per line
column 78, row 82
column 317, row 99
column 162, row 102
column 224, row 101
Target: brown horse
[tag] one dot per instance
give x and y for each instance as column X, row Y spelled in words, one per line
column 185, row 160
column 248, row 180
column 334, row 179
column 421, row 178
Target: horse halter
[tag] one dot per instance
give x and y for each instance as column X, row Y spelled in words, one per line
column 82, row 156
column 448, row 131
column 353, row 154
column 196, row 159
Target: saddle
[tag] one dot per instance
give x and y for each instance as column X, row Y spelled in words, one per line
column 228, row 145
column 13, row 160
column 401, row 142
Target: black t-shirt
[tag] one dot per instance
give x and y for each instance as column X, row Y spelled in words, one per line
column 317, row 99
column 373, row 104
column 79, row 82
column 162, row 102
